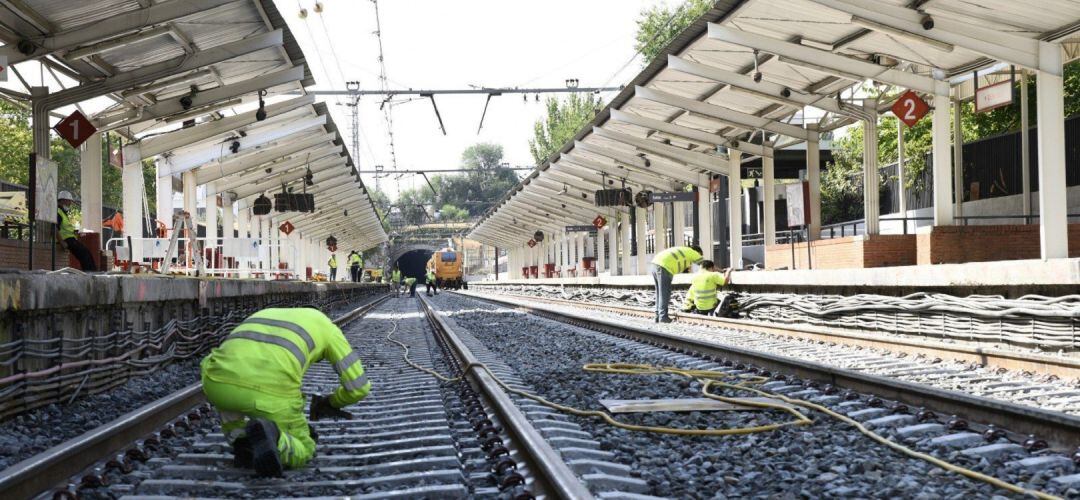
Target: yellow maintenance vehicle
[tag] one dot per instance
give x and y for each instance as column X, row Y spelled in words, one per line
column 449, row 272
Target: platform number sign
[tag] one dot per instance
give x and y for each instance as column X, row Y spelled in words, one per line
column 75, row 129
column 531, row 243
column 3, row 68
column 286, row 227
column 599, row 222
column 910, row 108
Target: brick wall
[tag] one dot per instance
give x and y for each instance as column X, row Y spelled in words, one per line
column 14, row 255
column 846, row 253
column 957, row 244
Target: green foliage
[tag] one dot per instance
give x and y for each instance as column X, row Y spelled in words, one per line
column 450, row 213
column 564, row 118
column 660, row 24
column 16, row 141
column 841, row 183
column 474, row 191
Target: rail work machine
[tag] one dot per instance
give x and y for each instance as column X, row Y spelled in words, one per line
column 449, row 273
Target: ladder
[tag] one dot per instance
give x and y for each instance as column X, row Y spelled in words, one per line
column 182, row 222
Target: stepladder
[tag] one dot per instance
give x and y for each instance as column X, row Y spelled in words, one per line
column 182, row 224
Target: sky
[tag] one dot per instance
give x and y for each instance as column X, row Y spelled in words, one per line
column 457, row 44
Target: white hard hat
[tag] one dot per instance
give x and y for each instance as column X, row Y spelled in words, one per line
column 65, row 195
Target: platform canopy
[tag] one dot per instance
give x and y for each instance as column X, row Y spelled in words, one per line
column 752, row 76
column 184, row 81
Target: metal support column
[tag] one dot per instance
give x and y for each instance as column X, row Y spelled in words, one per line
column 641, row 260
column 768, row 198
column 1050, row 103
column 871, row 178
column 734, row 208
column 942, row 170
column 813, row 179
column 705, row 222
column 958, row 158
column 1025, row 147
column 90, row 184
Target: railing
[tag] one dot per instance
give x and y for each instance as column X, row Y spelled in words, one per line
column 242, row 257
column 858, row 226
column 782, row 237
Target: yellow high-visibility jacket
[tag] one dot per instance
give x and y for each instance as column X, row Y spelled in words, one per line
column 702, row 293
column 272, row 349
column 676, row 259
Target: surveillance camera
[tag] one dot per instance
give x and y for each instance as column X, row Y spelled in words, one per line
column 647, row 163
column 786, row 92
column 185, row 102
column 757, row 77
column 25, row 47
column 927, row 22
column 234, row 147
column 260, row 115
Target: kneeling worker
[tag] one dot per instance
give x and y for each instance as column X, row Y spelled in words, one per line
column 411, row 283
column 701, row 297
column 253, row 379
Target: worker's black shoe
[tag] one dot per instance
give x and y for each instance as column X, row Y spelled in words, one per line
column 665, row 320
column 263, row 435
column 241, row 449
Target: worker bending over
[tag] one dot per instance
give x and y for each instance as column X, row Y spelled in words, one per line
column 68, row 239
column 411, row 283
column 395, row 278
column 356, row 263
column 701, row 298
column 663, row 268
column 431, row 283
column 253, row 379
column 333, row 266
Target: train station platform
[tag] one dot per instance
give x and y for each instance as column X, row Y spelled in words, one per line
column 1009, row 278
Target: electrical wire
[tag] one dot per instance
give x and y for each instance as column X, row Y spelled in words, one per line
column 710, row 378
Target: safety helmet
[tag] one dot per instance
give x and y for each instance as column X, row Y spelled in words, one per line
column 65, row 195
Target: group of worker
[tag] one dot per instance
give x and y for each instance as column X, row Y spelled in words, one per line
column 254, row 377
column 410, row 282
column 702, row 297
column 356, row 266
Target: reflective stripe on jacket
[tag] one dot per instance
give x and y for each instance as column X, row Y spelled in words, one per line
column 66, row 228
column 702, row 293
column 676, row 259
column 272, row 349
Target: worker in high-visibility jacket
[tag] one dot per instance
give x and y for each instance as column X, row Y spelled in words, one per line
column 430, row 280
column 356, row 264
column 701, row 298
column 411, row 283
column 333, row 266
column 67, row 235
column 395, row 278
column 663, row 268
column 253, row 379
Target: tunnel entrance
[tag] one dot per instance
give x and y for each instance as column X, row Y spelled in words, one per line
column 414, row 263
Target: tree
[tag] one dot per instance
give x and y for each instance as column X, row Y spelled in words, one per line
column 565, row 117
column 660, row 24
column 450, row 213
column 841, row 183
column 482, row 156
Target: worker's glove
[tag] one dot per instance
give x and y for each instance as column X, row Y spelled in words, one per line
column 321, row 408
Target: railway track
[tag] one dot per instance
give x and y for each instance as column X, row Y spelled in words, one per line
column 1030, row 404
column 412, row 437
column 960, row 440
column 861, row 371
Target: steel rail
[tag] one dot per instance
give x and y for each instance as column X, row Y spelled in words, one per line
column 546, row 464
column 56, row 465
column 1058, row 429
column 1062, row 367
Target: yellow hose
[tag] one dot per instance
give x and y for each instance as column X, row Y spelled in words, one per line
column 707, row 379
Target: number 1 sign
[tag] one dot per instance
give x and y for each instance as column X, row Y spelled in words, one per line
column 910, row 108
column 75, row 129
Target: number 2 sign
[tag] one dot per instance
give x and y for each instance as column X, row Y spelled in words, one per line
column 75, row 129
column 910, row 108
